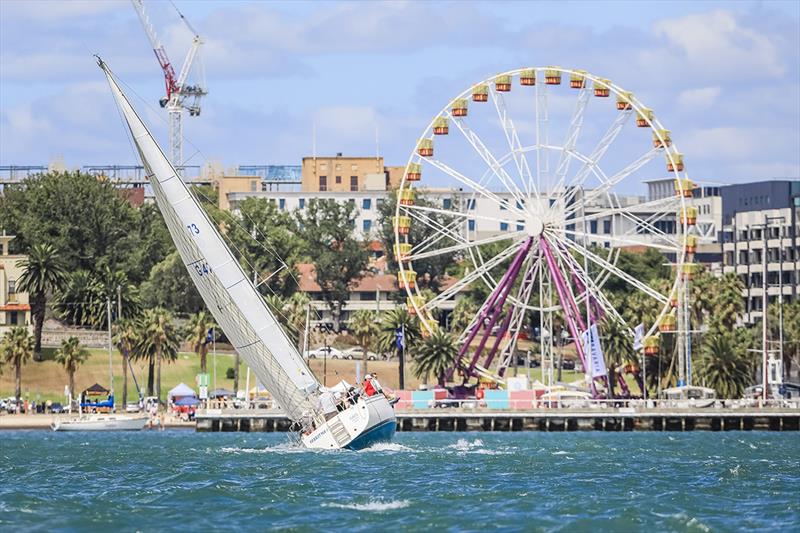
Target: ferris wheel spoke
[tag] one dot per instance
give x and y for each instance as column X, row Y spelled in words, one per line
column 514, row 145
column 473, row 185
column 596, row 155
column 464, row 245
column 616, row 240
column 615, row 270
column 644, row 225
column 410, row 209
column 572, row 137
column 542, row 134
column 494, row 165
column 607, row 185
column 478, row 273
column 662, row 203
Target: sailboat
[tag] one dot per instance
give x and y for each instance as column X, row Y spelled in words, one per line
column 239, row 309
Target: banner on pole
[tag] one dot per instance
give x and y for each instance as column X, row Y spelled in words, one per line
column 638, row 337
column 594, row 352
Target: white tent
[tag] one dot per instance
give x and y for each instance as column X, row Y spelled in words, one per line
column 181, row 390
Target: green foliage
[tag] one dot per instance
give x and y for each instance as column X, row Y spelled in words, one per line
column 230, row 373
column 434, row 355
column 170, row 287
column 43, row 271
column 617, row 347
column 269, row 241
column 16, row 349
column 339, row 258
column 431, row 270
column 364, row 327
column 71, row 355
column 196, row 333
column 291, row 313
column 390, row 322
column 84, row 298
column 724, row 365
column 463, row 313
column 157, row 340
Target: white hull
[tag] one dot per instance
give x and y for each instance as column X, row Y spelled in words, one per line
column 101, row 423
column 361, row 425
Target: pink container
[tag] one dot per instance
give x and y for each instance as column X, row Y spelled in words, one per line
column 405, row 399
column 521, row 399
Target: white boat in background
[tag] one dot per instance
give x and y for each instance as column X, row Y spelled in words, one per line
column 244, row 316
column 100, row 423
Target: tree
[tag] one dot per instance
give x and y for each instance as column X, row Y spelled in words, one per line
column 727, row 303
column 463, row 313
column 16, row 349
column 430, row 270
column 268, row 240
column 126, row 337
column 339, row 259
column 363, row 326
column 435, row 355
column 391, row 323
column 81, row 301
column 169, row 286
column 71, row 355
column 158, row 340
column 617, row 348
column 291, row 313
column 43, row 272
column 723, row 365
column 197, row 335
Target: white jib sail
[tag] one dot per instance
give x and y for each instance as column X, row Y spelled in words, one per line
column 227, row 291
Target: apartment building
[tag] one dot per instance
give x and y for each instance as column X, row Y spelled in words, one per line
column 15, row 309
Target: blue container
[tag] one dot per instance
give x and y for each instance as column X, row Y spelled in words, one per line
column 496, row 399
column 422, row 399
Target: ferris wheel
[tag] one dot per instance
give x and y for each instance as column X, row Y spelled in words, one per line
column 535, row 179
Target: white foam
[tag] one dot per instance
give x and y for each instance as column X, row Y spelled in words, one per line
column 560, row 452
column 281, row 448
column 386, row 447
column 376, row 506
column 464, row 445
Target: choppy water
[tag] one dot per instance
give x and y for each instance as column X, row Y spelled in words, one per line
column 185, row 481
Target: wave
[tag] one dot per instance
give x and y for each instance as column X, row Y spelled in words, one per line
column 376, row 506
column 463, row 445
column 280, row 448
column 387, row 447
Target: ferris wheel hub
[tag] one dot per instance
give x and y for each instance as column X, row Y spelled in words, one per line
column 534, row 225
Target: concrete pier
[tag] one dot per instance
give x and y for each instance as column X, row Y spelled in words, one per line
column 622, row 419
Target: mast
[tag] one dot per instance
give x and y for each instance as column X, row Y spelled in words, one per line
column 227, row 292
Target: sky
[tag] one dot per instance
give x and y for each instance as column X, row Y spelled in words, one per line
column 724, row 77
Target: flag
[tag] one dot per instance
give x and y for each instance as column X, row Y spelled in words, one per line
column 209, row 336
column 593, row 352
column 638, row 337
column 400, row 340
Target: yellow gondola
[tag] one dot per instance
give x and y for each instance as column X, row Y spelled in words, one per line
column 624, row 101
column 690, row 244
column 413, row 172
column 440, row 126
column 402, row 224
column 406, row 279
column 425, row 147
column 665, row 135
column 601, row 88
column 459, row 107
column 502, row 83
column 644, row 117
column 480, row 93
column 406, row 196
column 577, row 80
column 684, row 187
column 527, row 77
column 688, row 215
column 677, row 158
column 688, row 271
column 552, row 76
column 412, row 302
column 667, row 324
column 652, row 345
column 402, row 251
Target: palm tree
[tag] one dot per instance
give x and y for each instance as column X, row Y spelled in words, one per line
column 463, row 313
column 197, row 335
column 158, row 340
column 363, row 326
column 723, row 365
column 82, row 300
column 728, row 304
column 16, row 349
column 71, row 354
column 43, row 272
column 617, row 348
column 125, row 339
column 390, row 324
column 435, row 355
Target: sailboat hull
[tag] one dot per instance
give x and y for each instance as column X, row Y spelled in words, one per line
column 100, row 423
column 369, row 421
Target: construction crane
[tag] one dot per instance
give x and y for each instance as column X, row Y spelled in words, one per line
column 179, row 94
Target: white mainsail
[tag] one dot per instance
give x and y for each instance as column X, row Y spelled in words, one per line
column 227, row 291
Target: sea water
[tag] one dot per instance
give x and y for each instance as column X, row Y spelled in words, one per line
column 181, row 480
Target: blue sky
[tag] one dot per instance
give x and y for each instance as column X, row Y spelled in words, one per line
column 723, row 76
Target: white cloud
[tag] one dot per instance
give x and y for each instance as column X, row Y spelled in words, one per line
column 698, row 99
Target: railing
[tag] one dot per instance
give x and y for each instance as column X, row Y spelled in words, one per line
column 621, row 405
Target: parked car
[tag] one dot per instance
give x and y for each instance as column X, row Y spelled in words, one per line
column 132, row 407
column 568, row 364
column 56, row 408
column 356, row 353
column 330, row 352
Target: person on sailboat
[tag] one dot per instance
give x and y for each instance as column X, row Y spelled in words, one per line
column 327, row 404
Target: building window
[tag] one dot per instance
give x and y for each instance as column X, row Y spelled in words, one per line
column 593, row 227
column 12, row 318
column 520, row 225
column 379, row 202
column 447, row 203
column 471, row 225
column 253, row 185
column 301, row 203
column 504, row 226
column 519, row 204
column 607, row 227
column 503, row 204
column 338, row 180
column 471, row 204
column 353, row 183
column 282, row 203
column 351, row 201
column 323, row 183
column 12, row 286
column 367, row 225
column 366, row 203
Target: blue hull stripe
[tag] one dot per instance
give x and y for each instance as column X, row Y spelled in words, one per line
column 383, row 432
